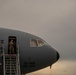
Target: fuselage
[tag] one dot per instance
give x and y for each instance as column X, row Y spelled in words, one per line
column 35, row 53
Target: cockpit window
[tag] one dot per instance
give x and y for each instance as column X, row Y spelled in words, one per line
column 40, row 43
column 33, row 43
column 36, row 43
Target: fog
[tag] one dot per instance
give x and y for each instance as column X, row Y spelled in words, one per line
column 52, row 20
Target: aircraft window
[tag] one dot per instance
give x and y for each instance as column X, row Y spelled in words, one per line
column 33, row 43
column 40, row 42
column 36, row 43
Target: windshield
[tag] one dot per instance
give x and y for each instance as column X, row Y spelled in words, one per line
column 36, row 43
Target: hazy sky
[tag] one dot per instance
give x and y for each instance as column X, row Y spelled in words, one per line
column 52, row 20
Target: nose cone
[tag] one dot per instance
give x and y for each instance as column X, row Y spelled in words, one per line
column 58, row 56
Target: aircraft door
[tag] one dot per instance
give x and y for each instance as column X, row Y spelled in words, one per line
column 12, row 48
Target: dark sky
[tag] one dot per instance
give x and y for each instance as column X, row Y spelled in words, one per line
column 52, row 20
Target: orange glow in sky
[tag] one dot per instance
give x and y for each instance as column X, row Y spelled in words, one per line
column 59, row 68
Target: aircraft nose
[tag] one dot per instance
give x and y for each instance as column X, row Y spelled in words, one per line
column 58, row 56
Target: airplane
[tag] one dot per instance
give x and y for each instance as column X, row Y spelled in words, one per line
column 32, row 53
